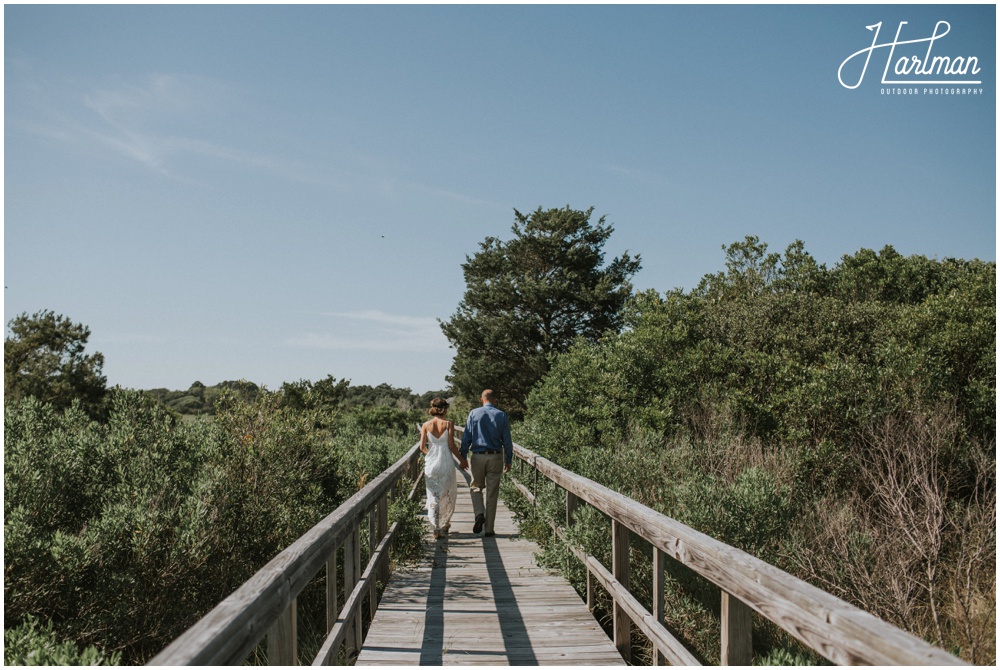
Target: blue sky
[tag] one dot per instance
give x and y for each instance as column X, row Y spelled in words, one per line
column 276, row 193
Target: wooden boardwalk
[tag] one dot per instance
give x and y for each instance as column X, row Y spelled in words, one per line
column 483, row 601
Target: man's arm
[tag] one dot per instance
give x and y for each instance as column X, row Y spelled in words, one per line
column 508, row 445
column 466, row 437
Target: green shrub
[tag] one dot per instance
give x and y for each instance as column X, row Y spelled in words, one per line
column 741, row 405
column 409, row 536
column 34, row 644
column 781, row 656
column 755, row 513
column 125, row 533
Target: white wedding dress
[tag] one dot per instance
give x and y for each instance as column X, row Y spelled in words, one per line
column 439, row 474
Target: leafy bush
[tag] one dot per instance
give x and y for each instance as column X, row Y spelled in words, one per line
column 782, row 656
column 34, row 644
column 742, row 406
column 125, row 533
column 409, row 536
column 755, row 513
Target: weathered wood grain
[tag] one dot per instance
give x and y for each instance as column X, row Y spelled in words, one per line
column 838, row 631
column 233, row 628
column 531, row 616
column 282, row 640
column 670, row 647
column 737, row 632
column 363, row 588
column 620, row 569
column 659, row 574
column 331, row 590
column 482, row 601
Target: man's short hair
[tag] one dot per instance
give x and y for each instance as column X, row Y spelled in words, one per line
column 488, row 396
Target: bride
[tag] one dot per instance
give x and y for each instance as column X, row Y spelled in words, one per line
column 437, row 441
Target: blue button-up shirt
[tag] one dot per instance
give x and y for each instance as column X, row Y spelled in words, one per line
column 487, row 429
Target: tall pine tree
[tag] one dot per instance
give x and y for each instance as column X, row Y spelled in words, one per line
column 530, row 297
column 43, row 357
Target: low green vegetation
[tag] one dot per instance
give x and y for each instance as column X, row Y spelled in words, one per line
column 124, row 526
column 34, row 644
column 839, row 423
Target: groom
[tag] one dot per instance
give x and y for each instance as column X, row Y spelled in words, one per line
column 487, row 435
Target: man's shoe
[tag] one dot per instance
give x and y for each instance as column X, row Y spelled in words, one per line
column 489, row 533
column 480, row 520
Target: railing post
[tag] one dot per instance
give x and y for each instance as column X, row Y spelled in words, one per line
column 659, row 570
column 281, row 639
column 620, row 570
column 332, row 609
column 590, row 590
column 383, row 528
column 372, row 543
column 737, row 627
column 572, row 502
column 534, row 485
column 352, row 574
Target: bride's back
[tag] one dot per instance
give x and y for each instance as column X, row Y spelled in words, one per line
column 438, row 429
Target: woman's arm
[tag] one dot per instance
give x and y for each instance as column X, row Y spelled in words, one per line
column 462, row 463
column 423, row 439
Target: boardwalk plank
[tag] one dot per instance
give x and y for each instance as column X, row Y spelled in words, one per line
column 483, row 601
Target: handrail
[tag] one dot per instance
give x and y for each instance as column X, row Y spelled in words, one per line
column 833, row 628
column 265, row 604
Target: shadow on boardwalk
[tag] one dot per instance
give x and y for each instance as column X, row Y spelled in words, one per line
column 483, row 601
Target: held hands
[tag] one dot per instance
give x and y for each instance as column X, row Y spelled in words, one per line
column 506, row 467
column 463, row 464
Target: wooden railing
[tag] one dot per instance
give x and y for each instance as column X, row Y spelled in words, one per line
column 836, row 630
column 266, row 603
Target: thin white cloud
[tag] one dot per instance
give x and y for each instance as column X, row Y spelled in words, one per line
column 633, row 173
column 459, row 197
column 372, row 330
column 159, row 122
column 128, row 338
column 377, row 316
column 131, row 120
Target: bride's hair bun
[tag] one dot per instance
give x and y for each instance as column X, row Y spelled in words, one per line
column 439, row 407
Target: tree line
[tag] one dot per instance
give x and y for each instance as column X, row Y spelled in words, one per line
column 200, row 400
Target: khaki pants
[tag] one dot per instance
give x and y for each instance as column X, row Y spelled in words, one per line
column 486, row 472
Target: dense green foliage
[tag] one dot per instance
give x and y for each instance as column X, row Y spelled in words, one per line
column 43, row 357
column 837, row 422
column 791, row 352
column 529, row 298
column 327, row 394
column 34, row 644
column 122, row 533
